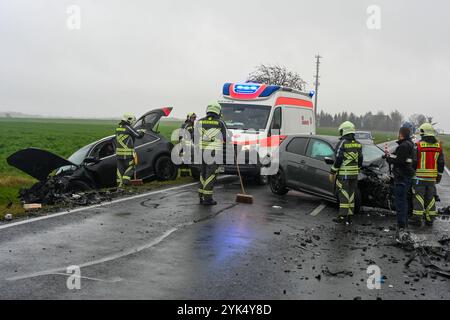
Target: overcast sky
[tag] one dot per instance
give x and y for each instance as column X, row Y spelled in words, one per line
column 137, row 55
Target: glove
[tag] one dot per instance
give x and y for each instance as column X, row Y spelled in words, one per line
column 332, row 177
column 438, row 179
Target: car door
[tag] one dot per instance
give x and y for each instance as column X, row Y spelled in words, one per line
column 295, row 161
column 105, row 170
column 316, row 170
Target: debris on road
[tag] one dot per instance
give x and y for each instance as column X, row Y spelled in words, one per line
column 344, row 273
column 32, row 206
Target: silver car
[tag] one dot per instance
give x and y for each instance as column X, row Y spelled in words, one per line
column 305, row 162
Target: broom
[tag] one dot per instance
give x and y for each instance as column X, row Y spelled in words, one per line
column 136, row 181
column 242, row 197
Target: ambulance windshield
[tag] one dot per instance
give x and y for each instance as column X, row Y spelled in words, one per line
column 245, row 116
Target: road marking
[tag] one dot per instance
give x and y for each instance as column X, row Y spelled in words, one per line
column 446, row 170
column 106, row 258
column 10, row 225
column 317, row 210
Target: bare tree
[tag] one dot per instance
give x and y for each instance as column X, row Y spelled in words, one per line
column 277, row 75
column 417, row 119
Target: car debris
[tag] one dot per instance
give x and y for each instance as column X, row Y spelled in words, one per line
column 93, row 167
column 8, row 217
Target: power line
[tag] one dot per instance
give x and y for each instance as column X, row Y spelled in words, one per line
column 317, row 83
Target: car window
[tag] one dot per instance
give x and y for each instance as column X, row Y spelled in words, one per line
column 319, row 149
column 276, row 120
column 103, row 150
column 371, row 153
column 297, row 146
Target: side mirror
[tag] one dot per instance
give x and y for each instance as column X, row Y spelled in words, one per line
column 329, row 160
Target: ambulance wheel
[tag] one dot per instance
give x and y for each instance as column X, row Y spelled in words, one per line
column 261, row 180
column 277, row 184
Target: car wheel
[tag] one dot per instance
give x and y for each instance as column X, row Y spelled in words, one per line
column 277, row 184
column 165, row 169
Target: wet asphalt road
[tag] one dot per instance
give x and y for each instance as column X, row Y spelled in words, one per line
column 166, row 246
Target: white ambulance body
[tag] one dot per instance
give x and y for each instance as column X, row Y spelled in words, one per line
column 260, row 116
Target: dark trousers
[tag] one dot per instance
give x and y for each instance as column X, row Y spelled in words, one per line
column 401, row 190
column 346, row 194
column 208, row 177
column 125, row 171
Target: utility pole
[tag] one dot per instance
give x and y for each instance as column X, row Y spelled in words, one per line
column 318, row 57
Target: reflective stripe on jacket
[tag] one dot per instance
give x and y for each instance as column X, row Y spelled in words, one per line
column 349, row 158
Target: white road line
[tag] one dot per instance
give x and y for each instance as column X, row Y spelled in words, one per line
column 106, row 258
column 317, row 210
column 10, row 225
column 446, row 170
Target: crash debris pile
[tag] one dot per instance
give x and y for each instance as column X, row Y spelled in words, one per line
column 55, row 191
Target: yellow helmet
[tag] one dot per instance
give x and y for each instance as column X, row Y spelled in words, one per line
column 214, row 107
column 346, row 128
column 130, row 118
column 427, row 130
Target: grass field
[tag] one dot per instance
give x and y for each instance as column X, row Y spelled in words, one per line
column 60, row 136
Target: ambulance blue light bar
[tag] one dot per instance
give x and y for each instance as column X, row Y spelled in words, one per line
column 249, row 90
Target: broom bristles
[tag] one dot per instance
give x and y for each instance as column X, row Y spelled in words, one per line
column 244, row 198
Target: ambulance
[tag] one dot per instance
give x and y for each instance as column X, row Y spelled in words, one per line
column 260, row 116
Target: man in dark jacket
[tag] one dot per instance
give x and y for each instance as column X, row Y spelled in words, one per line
column 125, row 153
column 403, row 171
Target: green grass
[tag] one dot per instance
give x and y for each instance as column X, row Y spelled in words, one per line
column 60, row 136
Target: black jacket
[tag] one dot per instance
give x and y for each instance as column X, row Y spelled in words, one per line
column 402, row 159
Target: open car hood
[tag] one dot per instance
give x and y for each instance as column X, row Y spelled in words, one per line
column 151, row 118
column 36, row 162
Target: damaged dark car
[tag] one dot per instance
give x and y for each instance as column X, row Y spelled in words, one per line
column 305, row 163
column 94, row 166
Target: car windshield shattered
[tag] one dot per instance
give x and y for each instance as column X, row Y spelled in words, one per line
column 78, row 157
column 245, row 116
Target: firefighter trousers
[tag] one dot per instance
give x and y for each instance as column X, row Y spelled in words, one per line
column 125, row 171
column 346, row 194
column 208, row 177
column 424, row 201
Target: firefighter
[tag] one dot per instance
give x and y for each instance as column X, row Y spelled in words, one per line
column 126, row 156
column 210, row 135
column 402, row 161
column 429, row 163
column 345, row 170
column 186, row 138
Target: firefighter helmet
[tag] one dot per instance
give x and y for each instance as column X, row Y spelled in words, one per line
column 427, row 130
column 130, row 118
column 191, row 115
column 214, row 107
column 346, row 128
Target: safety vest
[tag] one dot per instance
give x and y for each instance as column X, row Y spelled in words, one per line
column 210, row 135
column 427, row 157
column 349, row 167
column 125, row 144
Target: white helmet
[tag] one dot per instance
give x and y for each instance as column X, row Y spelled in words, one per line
column 130, row 118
